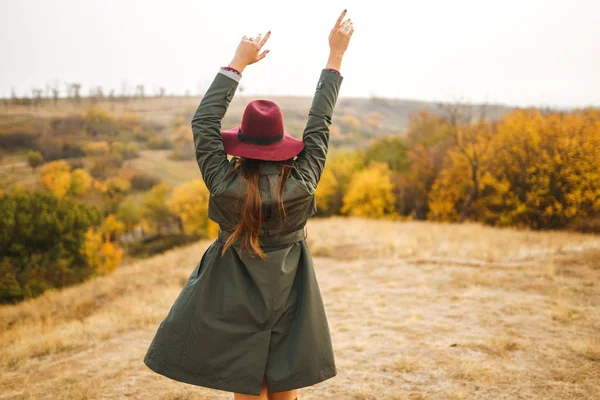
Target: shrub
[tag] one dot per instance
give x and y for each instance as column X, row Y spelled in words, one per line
column 157, row 143
column 13, row 141
column 99, row 122
column 34, row 159
column 40, row 241
column 142, row 181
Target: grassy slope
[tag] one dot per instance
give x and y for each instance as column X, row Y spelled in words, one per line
column 421, row 311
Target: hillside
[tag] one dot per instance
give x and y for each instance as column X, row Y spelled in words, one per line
column 395, row 112
column 420, row 311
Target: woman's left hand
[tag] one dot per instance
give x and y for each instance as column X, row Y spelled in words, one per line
column 248, row 51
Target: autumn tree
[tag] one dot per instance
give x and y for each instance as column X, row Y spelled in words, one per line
column 189, row 202
column 370, row 193
column 428, row 139
column 102, row 255
column 56, row 177
column 129, row 213
column 539, row 170
column 472, row 140
column 156, row 214
column 114, row 190
column 341, row 165
column 81, row 182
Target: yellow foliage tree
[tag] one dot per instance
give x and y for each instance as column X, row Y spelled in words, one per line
column 339, row 168
column 81, row 182
column 102, row 255
column 112, row 227
column 56, row 177
column 538, row 170
column 189, row 202
column 370, row 193
column 326, row 191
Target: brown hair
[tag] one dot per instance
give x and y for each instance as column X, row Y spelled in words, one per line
column 251, row 217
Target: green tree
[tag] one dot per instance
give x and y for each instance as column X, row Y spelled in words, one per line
column 391, row 150
column 41, row 236
column 129, row 213
column 156, row 214
column 34, row 159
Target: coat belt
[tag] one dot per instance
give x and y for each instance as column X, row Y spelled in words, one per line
column 270, row 240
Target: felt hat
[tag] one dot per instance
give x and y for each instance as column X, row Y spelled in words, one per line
column 261, row 134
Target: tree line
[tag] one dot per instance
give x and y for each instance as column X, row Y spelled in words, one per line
column 531, row 168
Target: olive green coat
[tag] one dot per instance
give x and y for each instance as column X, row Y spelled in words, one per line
column 239, row 318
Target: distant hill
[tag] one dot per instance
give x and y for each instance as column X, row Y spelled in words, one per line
column 395, row 112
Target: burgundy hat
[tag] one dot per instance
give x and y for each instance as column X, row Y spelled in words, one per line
column 261, row 134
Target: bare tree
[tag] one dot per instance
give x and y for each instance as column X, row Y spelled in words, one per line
column 55, row 93
column 37, row 96
column 124, row 92
column 14, row 97
column 96, row 94
column 161, row 91
column 139, row 91
column 76, row 87
column 111, row 99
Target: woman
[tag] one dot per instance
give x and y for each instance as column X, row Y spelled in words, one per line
column 250, row 318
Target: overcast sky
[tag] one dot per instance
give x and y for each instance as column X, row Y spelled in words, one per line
column 519, row 52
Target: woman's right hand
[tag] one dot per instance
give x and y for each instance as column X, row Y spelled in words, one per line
column 339, row 38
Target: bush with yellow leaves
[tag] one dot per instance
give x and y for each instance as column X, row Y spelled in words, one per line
column 370, row 193
column 190, row 202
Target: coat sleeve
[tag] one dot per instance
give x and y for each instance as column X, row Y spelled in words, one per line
column 206, row 128
column 311, row 160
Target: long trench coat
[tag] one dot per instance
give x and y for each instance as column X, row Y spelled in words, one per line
column 239, row 318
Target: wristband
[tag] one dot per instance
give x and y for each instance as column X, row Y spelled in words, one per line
column 230, row 68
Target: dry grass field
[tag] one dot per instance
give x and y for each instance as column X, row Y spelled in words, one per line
column 416, row 310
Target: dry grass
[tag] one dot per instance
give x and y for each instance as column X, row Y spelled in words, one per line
column 420, row 311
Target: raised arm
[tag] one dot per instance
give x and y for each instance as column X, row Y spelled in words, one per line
column 311, row 160
column 206, row 123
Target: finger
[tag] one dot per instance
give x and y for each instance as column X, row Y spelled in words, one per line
column 257, row 40
column 264, row 40
column 340, row 18
column 262, row 55
column 345, row 24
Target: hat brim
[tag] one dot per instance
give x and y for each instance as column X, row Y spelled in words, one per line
column 286, row 148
